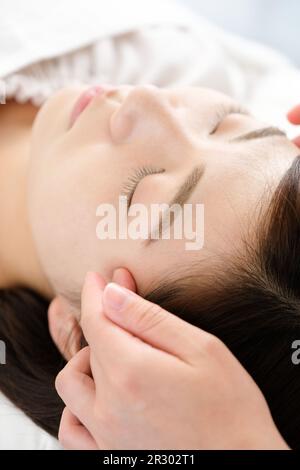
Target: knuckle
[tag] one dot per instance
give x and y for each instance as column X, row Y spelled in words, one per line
column 149, row 317
column 212, row 345
column 60, row 381
column 64, row 376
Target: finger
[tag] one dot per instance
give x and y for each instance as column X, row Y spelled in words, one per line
column 73, row 435
column 76, row 387
column 91, row 306
column 64, row 328
column 294, row 115
column 109, row 343
column 101, row 283
column 151, row 323
column 123, row 277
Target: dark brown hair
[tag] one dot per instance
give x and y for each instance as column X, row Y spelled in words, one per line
column 32, row 360
column 254, row 308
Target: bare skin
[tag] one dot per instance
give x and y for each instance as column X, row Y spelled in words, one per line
column 59, row 181
column 18, row 266
column 294, row 118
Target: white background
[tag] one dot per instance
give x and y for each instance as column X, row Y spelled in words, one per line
column 275, row 22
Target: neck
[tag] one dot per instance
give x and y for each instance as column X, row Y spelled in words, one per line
column 19, row 265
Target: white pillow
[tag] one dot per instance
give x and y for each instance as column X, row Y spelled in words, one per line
column 18, row 432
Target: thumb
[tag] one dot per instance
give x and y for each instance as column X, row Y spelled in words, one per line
column 150, row 322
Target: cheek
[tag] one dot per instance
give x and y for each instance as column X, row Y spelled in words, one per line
column 62, row 210
column 53, row 118
column 57, row 230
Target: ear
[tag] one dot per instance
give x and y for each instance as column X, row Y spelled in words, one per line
column 123, row 277
column 64, row 327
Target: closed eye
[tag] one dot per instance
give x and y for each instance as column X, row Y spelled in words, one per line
column 225, row 110
column 128, row 189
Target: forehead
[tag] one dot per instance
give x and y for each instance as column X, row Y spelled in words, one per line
column 238, row 187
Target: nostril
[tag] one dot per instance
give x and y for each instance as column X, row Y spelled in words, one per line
column 114, row 94
column 119, row 93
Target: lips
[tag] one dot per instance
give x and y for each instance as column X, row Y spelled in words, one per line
column 85, row 99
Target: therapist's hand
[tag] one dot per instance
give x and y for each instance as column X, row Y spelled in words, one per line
column 64, row 324
column 149, row 380
column 294, row 118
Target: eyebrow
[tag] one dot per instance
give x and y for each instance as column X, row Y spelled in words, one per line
column 193, row 178
column 259, row 134
column 182, row 195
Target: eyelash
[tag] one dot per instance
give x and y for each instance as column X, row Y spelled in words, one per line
column 130, row 186
column 225, row 110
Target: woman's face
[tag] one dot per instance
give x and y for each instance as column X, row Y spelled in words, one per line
column 77, row 166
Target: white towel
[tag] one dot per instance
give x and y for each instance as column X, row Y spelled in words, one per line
column 157, row 41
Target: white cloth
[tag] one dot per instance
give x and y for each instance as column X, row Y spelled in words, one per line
column 33, row 30
column 17, row 431
column 46, row 45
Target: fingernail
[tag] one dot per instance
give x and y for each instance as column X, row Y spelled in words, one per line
column 116, row 296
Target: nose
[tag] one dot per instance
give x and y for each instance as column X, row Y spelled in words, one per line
column 145, row 112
